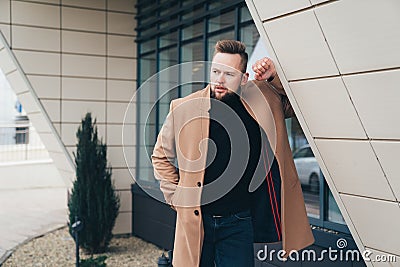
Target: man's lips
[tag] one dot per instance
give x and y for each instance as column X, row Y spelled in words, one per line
column 220, row 89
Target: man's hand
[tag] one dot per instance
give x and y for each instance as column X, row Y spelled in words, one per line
column 264, row 69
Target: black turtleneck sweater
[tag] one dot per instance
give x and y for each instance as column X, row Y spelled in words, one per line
column 230, row 115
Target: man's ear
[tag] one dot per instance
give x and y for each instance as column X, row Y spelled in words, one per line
column 245, row 78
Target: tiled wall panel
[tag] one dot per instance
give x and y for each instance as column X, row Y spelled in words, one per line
column 78, row 56
column 351, row 121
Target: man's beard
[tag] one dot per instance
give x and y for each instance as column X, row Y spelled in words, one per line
column 227, row 96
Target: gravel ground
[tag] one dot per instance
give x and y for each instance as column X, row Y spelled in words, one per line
column 58, row 249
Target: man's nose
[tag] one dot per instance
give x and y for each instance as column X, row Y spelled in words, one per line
column 221, row 78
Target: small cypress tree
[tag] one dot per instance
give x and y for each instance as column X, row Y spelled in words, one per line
column 94, row 200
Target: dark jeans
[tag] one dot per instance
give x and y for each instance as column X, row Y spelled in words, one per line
column 228, row 241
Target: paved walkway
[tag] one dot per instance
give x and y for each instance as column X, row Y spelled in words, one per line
column 29, row 206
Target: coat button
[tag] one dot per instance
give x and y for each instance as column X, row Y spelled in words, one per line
column 198, row 184
column 196, row 212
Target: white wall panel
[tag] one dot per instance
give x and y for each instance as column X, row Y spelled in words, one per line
column 84, row 66
column 123, row 223
column 121, row 68
column 5, row 30
column 46, row 1
column 52, row 108
column 376, row 221
column 68, row 133
column 101, row 4
column 354, row 168
column 120, row 23
column 388, row 155
column 34, row 14
column 28, row 102
column 121, row 46
column 120, row 159
column 35, row 38
column 300, row 46
column 85, row 89
column 126, row 200
column 40, row 123
column 122, row 5
column 84, row 42
column 60, row 161
column 116, row 113
column 17, row 83
column 122, row 178
column 327, row 108
column 83, row 19
column 51, row 143
column 5, row 11
column 39, row 62
column 46, row 86
column 74, row 111
column 316, row 2
column 376, row 97
column 363, row 34
column 268, row 9
column 120, row 90
column 114, row 134
column 6, row 63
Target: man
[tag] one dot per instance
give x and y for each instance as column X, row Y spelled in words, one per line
column 235, row 182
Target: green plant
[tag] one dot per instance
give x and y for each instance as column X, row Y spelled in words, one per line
column 93, row 200
column 93, row 262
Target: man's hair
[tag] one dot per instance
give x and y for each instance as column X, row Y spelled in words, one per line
column 233, row 47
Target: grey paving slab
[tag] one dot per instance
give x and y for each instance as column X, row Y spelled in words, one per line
column 28, row 213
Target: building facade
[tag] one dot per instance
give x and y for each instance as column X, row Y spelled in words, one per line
column 64, row 58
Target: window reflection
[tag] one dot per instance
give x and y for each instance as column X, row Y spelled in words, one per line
column 307, row 168
column 221, row 21
column 334, row 214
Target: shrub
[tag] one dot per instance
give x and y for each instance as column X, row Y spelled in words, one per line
column 93, row 200
column 93, row 262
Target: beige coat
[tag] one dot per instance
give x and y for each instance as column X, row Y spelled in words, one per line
column 181, row 137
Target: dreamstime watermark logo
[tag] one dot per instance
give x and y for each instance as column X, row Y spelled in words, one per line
column 341, row 243
column 183, row 143
column 330, row 254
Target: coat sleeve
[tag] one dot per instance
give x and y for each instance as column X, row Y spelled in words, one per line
column 276, row 86
column 287, row 107
column 164, row 156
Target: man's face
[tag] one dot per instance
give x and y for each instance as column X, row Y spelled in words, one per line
column 225, row 75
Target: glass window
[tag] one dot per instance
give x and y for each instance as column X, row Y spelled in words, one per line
column 168, row 80
column 192, row 31
column 214, row 39
column 169, row 8
column 334, row 214
column 148, row 66
column 168, row 57
column 221, row 21
column 219, row 3
column 245, row 14
column 249, row 36
column 193, row 51
column 148, row 46
column 307, row 168
column 192, row 14
column 187, row 89
column 169, row 39
column 171, row 21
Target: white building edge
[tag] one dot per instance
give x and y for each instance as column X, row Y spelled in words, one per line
column 340, row 66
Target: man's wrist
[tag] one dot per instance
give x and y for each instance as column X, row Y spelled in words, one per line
column 270, row 79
